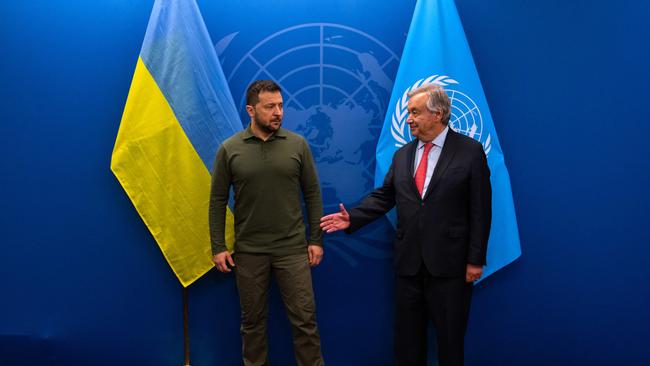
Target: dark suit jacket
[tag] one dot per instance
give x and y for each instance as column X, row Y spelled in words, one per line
column 450, row 226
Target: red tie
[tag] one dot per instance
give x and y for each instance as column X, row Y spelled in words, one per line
column 421, row 173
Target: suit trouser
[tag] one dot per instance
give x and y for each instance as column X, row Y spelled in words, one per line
column 421, row 298
column 293, row 276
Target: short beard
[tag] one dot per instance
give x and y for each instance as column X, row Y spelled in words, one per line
column 263, row 127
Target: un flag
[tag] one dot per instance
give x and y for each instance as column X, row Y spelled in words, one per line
column 436, row 51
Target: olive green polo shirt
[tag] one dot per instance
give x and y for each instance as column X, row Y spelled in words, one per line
column 267, row 178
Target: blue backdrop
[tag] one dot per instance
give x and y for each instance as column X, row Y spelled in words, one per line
column 83, row 282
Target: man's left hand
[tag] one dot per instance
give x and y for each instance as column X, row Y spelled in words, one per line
column 315, row 254
column 473, row 273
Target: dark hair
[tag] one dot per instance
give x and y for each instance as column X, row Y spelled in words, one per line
column 258, row 86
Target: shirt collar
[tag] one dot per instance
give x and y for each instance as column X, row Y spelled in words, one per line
column 248, row 133
column 439, row 140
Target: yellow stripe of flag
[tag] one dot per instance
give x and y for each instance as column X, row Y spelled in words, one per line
column 165, row 178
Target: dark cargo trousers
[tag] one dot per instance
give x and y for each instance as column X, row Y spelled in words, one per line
column 293, row 276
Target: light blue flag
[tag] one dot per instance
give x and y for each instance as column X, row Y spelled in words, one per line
column 436, row 51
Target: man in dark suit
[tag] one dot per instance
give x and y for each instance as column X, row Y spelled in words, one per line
column 440, row 183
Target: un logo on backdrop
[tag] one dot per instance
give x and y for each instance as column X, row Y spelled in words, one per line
column 336, row 90
column 465, row 115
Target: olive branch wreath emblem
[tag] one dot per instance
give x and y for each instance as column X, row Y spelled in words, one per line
column 398, row 119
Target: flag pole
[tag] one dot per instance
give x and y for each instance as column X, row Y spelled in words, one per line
column 186, row 326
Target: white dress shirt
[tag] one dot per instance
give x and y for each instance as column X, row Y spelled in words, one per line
column 434, row 155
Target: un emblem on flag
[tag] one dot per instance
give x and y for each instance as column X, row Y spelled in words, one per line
column 465, row 115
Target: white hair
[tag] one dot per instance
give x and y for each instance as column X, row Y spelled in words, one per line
column 437, row 100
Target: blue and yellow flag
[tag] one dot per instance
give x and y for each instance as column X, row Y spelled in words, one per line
column 436, row 51
column 179, row 110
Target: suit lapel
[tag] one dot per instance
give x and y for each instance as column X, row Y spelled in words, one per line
column 411, row 162
column 446, row 156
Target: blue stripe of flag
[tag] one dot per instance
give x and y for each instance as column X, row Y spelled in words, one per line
column 178, row 53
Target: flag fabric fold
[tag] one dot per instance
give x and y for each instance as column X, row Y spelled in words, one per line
column 178, row 112
column 436, row 51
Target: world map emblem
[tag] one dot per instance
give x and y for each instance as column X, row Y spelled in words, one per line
column 465, row 116
column 336, row 87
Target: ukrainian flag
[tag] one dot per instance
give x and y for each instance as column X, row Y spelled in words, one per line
column 179, row 110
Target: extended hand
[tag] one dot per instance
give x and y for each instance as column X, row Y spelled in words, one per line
column 220, row 259
column 335, row 222
column 473, row 273
column 315, row 254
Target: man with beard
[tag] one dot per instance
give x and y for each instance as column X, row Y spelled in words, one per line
column 268, row 167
